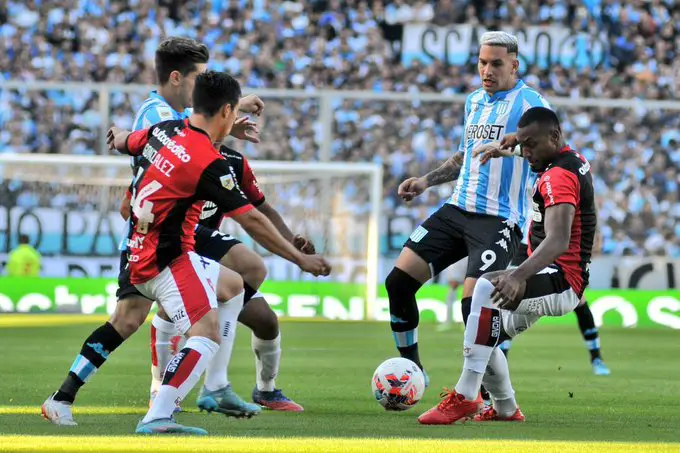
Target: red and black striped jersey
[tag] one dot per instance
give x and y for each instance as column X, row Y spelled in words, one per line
column 178, row 171
column 245, row 179
column 568, row 180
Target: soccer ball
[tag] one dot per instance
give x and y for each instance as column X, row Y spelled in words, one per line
column 398, row 384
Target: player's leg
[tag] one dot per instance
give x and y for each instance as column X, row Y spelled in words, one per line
column 217, row 393
column 586, row 323
column 165, row 343
column 187, row 291
column 431, row 248
column 545, row 294
column 497, row 380
column 130, row 314
column 264, row 324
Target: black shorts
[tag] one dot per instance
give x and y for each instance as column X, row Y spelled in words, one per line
column 209, row 244
column 125, row 288
column 451, row 234
column 521, row 255
column 212, row 244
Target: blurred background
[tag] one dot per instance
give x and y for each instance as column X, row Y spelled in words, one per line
column 346, row 82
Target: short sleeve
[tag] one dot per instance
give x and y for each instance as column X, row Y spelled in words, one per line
column 250, row 186
column 217, row 185
column 557, row 186
column 136, row 141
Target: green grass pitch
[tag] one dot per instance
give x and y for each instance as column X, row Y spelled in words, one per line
column 327, row 368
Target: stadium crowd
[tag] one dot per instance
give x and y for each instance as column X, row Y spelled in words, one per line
column 343, row 44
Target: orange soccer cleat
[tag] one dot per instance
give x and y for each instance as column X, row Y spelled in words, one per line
column 489, row 414
column 453, row 408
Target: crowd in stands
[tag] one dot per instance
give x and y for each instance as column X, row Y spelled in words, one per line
column 356, row 45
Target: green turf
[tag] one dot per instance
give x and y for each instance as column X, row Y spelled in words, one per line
column 327, row 368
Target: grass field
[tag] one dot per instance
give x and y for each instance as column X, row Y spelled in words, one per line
column 327, row 368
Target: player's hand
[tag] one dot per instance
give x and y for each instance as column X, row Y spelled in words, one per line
column 411, row 188
column 244, row 129
column 490, row 151
column 509, row 141
column 116, row 139
column 304, row 245
column 251, row 104
column 507, row 292
column 315, row 265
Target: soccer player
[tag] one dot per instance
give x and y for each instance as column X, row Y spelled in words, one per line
column 178, row 62
column 549, row 283
column 483, row 218
column 179, row 169
column 256, row 314
column 586, row 322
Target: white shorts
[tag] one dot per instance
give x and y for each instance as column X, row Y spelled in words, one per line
column 547, row 294
column 186, row 289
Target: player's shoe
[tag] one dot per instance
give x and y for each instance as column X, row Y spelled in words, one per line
column 152, row 397
column 168, row 426
column 226, row 402
column 453, row 408
column 600, row 369
column 275, row 401
column 57, row 412
column 489, row 414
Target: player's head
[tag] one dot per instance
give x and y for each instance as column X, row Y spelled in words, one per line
column 178, row 62
column 497, row 61
column 24, row 239
column 540, row 136
column 216, row 97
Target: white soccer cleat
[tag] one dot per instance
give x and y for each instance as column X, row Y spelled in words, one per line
column 58, row 412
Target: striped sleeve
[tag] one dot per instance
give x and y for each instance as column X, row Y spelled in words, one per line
column 468, row 107
column 533, row 98
column 153, row 114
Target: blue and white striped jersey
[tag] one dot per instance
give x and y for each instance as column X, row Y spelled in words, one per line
column 154, row 109
column 499, row 187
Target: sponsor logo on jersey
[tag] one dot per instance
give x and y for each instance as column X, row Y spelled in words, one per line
column 549, row 191
column 171, row 145
column 585, row 168
column 491, row 132
column 227, row 182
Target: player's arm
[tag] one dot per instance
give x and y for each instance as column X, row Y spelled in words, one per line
column 127, row 142
column 560, row 191
column 234, row 204
column 446, row 172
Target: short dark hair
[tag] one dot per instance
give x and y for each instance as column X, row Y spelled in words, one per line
column 541, row 115
column 179, row 54
column 24, row 239
column 213, row 90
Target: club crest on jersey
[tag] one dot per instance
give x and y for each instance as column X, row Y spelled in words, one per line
column 502, row 107
column 227, row 182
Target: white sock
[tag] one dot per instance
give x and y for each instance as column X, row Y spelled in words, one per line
column 181, row 375
column 162, row 332
column 216, row 374
column 481, row 336
column 267, row 360
column 497, row 382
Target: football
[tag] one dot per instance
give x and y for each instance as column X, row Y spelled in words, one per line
column 398, row 384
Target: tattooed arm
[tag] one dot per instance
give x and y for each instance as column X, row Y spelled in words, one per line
column 446, row 172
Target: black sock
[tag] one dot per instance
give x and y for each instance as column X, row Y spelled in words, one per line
column 586, row 324
column 249, row 292
column 404, row 316
column 96, row 349
column 465, row 307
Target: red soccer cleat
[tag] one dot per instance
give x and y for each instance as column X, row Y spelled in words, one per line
column 453, row 408
column 489, row 414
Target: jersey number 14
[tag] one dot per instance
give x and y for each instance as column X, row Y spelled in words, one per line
column 143, row 208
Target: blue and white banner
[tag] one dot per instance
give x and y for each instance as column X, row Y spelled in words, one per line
column 543, row 46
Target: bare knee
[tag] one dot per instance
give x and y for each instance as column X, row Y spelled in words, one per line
column 207, row 326
column 254, row 273
column 129, row 315
column 229, row 285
